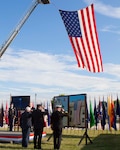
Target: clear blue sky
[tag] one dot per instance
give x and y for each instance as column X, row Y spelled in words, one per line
column 40, row 60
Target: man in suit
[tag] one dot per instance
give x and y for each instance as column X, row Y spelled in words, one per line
column 38, row 125
column 57, row 125
column 26, row 123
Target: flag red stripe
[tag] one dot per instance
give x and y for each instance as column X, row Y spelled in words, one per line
column 92, row 41
column 99, row 58
column 84, row 54
column 80, row 55
column 91, row 52
column 75, row 51
column 87, row 45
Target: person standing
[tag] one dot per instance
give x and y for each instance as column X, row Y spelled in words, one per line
column 25, row 124
column 38, row 125
column 11, row 116
column 57, row 125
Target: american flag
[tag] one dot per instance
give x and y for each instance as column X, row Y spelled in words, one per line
column 82, row 32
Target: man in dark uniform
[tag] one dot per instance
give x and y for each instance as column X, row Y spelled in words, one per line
column 26, row 123
column 11, row 116
column 38, row 125
column 57, row 125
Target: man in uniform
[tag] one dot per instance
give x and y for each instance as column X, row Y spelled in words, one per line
column 57, row 125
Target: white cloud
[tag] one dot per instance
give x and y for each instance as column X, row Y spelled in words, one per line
column 105, row 9
column 113, row 69
column 111, row 29
column 26, row 72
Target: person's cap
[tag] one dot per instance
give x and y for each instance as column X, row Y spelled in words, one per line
column 28, row 109
column 58, row 106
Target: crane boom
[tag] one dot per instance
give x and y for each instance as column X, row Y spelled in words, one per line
column 19, row 26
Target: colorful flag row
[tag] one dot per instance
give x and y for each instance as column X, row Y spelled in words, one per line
column 105, row 112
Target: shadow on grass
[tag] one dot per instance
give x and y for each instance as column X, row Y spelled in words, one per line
column 103, row 142
column 65, row 136
column 10, row 146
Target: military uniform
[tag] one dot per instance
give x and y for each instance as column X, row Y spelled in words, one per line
column 57, row 125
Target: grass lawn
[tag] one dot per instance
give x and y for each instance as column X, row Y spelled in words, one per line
column 102, row 140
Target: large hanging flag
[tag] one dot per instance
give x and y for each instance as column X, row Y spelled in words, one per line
column 82, row 32
column 92, row 118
